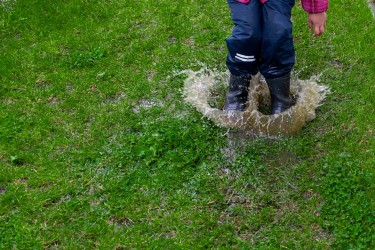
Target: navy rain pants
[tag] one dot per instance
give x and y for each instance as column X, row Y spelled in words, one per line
column 261, row 38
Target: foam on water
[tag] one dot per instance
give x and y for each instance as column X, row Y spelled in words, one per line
column 200, row 86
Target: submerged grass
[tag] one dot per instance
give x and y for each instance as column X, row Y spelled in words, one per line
column 98, row 149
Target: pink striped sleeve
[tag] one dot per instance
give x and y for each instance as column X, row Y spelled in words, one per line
column 315, row 6
column 243, row 1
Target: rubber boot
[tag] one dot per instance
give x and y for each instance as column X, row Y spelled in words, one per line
column 280, row 93
column 237, row 95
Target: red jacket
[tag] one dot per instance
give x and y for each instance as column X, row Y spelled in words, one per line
column 310, row 6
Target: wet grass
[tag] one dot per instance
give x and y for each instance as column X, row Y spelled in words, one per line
column 98, row 149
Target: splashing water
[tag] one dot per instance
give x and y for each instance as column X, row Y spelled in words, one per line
column 201, row 86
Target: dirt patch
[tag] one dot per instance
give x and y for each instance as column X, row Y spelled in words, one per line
column 284, row 158
column 2, row 190
column 118, row 222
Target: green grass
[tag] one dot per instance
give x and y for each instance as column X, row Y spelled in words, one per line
column 99, row 150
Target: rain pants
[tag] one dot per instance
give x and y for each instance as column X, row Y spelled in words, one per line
column 261, row 38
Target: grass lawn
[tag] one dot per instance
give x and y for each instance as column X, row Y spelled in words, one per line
column 99, row 150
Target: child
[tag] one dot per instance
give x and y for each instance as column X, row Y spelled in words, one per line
column 262, row 41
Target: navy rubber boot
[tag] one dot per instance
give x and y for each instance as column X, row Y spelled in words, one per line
column 237, row 95
column 280, row 93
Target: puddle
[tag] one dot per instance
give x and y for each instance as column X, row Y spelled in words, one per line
column 205, row 90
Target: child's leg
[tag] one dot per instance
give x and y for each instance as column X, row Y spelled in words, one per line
column 277, row 52
column 245, row 44
column 244, row 50
column 277, row 44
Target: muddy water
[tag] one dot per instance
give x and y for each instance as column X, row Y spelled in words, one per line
column 205, row 90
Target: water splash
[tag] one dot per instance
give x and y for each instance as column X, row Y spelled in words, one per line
column 205, row 90
column 371, row 5
column 6, row 5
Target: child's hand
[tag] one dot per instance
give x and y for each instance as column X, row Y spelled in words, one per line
column 317, row 23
